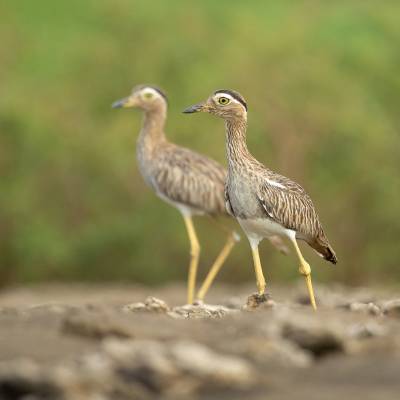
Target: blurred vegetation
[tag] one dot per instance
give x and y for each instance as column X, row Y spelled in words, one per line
column 323, row 86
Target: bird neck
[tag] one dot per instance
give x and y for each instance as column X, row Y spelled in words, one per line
column 152, row 133
column 236, row 147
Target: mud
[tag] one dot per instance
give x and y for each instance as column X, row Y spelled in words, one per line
column 129, row 342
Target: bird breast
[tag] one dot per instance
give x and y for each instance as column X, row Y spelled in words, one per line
column 242, row 198
column 146, row 164
column 262, row 228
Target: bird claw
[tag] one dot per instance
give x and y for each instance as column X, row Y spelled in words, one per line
column 256, row 299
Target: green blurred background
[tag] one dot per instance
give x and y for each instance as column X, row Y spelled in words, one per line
column 323, row 87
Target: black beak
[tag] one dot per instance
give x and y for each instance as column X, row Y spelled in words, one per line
column 193, row 109
column 119, row 103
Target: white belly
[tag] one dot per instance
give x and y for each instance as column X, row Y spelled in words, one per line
column 260, row 228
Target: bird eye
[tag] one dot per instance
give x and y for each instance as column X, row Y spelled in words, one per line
column 147, row 95
column 223, row 101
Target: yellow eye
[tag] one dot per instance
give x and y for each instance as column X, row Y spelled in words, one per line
column 223, row 101
column 147, row 95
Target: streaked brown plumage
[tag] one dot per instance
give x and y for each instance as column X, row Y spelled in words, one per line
column 191, row 182
column 287, row 204
column 177, row 174
column 188, row 178
column 264, row 202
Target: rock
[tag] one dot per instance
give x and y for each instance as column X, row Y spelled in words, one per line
column 256, row 300
column 151, row 304
column 286, row 354
column 143, row 360
column 178, row 367
column 129, row 370
column 274, row 352
column 23, row 379
column 197, row 310
column 199, row 360
column 391, row 308
column 193, row 311
column 97, row 326
column 314, row 335
column 366, row 308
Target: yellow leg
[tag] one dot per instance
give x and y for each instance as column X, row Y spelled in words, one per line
column 232, row 238
column 258, row 270
column 194, row 257
column 305, row 270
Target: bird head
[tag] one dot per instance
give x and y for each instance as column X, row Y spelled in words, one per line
column 145, row 97
column 224, row 103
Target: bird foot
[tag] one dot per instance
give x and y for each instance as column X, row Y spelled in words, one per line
column 256, row 299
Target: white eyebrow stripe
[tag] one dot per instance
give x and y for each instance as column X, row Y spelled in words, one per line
column 151, row 90
column 228, row 96
column 276, row 184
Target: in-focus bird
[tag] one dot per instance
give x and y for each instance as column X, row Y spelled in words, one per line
column 264, row 202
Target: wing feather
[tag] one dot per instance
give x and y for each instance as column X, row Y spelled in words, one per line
column 190, row 178
column 293, row 208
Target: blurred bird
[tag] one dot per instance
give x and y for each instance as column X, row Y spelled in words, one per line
column 264, row 202
column 189, row 181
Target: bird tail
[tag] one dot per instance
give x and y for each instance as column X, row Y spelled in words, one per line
column 330, row 255
column 324, row 249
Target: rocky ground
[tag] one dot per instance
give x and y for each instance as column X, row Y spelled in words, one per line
column 117, row 342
